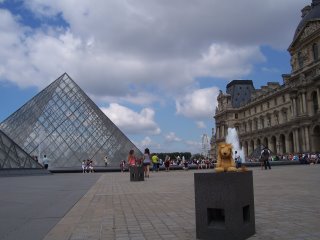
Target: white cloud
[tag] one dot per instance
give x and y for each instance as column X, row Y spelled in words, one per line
column 201, row 124
column 227, row 61
column 198, row 104
column 145, row 51
column 171, row 137
column 132, row 122
column 194, row 146
column 148, row 143
column 143, row 43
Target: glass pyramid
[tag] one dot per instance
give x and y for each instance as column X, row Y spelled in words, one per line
column 64, row 124
column 12, row 156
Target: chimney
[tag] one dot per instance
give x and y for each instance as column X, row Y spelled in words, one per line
column 306, row 10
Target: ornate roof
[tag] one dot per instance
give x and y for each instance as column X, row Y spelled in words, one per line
column 309, row 13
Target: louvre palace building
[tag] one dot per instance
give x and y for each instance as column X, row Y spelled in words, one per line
column 285, row 116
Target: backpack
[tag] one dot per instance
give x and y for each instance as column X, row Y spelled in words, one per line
column 265, row 154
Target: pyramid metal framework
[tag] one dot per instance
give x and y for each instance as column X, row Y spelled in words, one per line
column 12, row 156
column 64, row 124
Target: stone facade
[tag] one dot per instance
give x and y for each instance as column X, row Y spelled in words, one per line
column 284, row 117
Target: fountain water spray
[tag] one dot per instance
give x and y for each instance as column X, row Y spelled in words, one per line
column 232, row 138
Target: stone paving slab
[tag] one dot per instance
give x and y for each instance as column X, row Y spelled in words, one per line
column 31, row 205
column 162, row 207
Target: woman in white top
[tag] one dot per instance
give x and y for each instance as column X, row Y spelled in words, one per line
column 146, row 162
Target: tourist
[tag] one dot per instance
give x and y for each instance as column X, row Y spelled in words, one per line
column 131, row 158
column 207, row 162
column 106, row 161
column 155, row 160
column 91, row 166
column 83, row 165
column 313, row 159
column 87, row 166
column 265, row 154
column 198, row 163
column 237, row 159
column 122, row 165
column 146, row 162
column 167, row 163
column 184, row 163
column 45, row 162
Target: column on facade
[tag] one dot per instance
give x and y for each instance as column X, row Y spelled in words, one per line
column 306, row 139
column 287, row 143
column 304, row 102
column 256, row 143
column 280, row 146
column 300, row 103
column 271, row 146
column 296, row 140
column 250, row 149
column 294, row 102
column 222, row 132
column 217, row 132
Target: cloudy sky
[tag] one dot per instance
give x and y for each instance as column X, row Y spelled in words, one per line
column 153, row 67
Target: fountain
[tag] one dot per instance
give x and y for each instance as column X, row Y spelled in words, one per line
column 232, row 138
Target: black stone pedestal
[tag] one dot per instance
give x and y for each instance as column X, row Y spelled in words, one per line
column 224, row 205
column 136, row 173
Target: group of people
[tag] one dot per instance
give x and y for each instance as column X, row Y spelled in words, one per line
column 87, row 166
column 146, row 161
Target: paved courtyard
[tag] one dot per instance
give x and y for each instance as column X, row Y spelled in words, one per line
column 287, row 200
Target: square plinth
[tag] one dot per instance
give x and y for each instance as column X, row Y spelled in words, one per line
column 224, row 204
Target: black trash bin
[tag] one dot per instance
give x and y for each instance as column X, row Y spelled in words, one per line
column 136, row 173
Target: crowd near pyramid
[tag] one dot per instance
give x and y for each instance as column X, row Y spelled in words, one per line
column 64, row 124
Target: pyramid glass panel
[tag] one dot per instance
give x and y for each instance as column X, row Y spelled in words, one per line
column 12, row 156
column 64, row 124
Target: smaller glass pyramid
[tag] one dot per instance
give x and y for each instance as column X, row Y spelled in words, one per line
column 64, row 124
column 12, row 156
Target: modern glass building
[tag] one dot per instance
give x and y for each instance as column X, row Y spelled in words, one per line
column 64, row 124
column 12, row 156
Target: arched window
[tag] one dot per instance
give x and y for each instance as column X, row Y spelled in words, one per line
column 300, row 59
column 315, row 102
column 315, row 52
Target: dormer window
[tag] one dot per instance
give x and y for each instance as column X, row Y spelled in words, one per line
column 315, row 52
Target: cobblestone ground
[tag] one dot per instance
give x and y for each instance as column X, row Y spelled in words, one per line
column 287, row 200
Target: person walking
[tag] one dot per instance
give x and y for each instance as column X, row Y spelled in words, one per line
column 167, row 163
column 155, row 160
column 265, row 154
column 146, row 162
column 45, row 162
